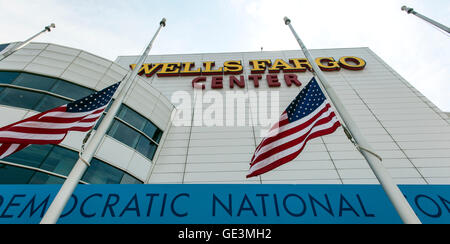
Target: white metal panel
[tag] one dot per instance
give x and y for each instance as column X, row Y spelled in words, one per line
column 115, row 153
column 139, row 166
column 74, row 140
column 13, row 115
column 166, row 178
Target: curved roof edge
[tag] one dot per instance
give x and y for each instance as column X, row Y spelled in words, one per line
column 247, row 52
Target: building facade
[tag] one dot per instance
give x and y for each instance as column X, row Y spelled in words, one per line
column 197, row 118
column 42, row 76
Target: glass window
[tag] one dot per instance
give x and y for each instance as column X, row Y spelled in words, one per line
column 31, row 156
column 131, row 117
column 140, row 123
column 20, row 98
column 3, row 46
column 35, row 81
column 158, row 136
column 124, row 134
column 60, row 161
column 45, row 179
column 50, row 102
column 101, row 173
column 130, row 180
column 153, row 132
column 146, row 147
column 14, row 175
column 70, row 90
column 8, row 77
column 134, row 137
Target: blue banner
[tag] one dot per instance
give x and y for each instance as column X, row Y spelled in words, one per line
column 223, row 204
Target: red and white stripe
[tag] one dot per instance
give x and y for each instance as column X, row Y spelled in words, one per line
column 287, row 140
column 50, row 127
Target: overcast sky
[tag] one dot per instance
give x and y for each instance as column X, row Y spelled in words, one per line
column 110, row 28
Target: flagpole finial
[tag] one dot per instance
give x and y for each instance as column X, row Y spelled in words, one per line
column 48, row 28
column 407, row 9
column 287, row 21
column 163, row 22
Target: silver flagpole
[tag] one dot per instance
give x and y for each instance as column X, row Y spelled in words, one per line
column 26, row 42
column 54, row 212
column 393, row 192
column 433, row 22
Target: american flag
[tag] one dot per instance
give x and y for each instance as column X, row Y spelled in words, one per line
column 51, row 127
column 309, row 116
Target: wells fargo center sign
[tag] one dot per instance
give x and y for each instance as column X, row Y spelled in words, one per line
column 235, row 70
